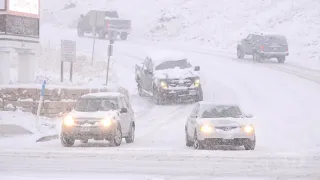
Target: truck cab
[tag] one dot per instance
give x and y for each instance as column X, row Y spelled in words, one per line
column 168, row 78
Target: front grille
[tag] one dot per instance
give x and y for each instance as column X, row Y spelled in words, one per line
column 227, row 128
column 180, row 82
column 82, row 121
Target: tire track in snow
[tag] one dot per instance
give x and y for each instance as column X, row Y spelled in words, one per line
column 158, row 162
column 160, row 120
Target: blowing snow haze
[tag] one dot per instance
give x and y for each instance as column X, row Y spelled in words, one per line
column 159, row 89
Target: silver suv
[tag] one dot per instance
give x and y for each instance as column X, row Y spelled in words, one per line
column 99, row 116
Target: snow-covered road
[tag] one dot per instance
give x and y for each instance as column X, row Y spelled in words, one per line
column 286, row 116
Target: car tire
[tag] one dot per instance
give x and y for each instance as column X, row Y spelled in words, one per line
column 281, row 60
column 124, row 36
column 188, row 142
column 84, row 141
column 102, row 35
column 130, row 137
column 257, row 57
column 197, row 144
column 117, row 136
column 250, row 144
column 80, row 32
column 66, row 142
column 240, row 53
column 140, row 89
column 199, row 97
column 156, row 97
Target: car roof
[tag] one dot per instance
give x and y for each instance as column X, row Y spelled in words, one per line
column 102, row 95
column 217, row 103
column 267, row 34
column 163, row 56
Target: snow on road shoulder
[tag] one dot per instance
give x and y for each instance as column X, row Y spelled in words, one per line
column 28, row 121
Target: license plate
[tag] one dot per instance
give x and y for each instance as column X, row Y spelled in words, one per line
column 192, row 93
column 85, row 129
column 227, row 136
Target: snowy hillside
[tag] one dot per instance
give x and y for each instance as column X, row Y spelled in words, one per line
column 219, row 24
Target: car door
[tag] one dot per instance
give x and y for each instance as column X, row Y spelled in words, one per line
column 149, row 76
column 123, row 116
column 247, row 44
column 128, row 115
column 144, row 73
column 192, row 120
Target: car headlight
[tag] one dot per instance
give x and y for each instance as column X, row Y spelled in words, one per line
column 68, row 120
column 206, row 128
column 106, row 122
column 197, row 83
column 249, row 129
column 164, row 84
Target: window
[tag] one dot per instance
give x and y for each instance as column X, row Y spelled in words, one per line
column 150, row 66
column 96, row 104
column 146, row 63
column 210, row 111
column 124, row 103
column 182, row 64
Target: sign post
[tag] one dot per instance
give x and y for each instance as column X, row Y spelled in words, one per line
column 43, row 87
column 68, row 54
column 110, row 53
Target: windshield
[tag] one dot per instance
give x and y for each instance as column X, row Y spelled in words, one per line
column 221, row 112
column 275, row 39
column 111, row 14
column 92, row 105
column 182, row 64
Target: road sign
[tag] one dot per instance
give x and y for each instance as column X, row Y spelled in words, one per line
column 68, row 51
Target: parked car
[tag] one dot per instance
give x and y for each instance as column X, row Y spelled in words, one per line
column 105, row 23
column 264, row 46
column 165, row 76
column 214, row 124
column 99, row 116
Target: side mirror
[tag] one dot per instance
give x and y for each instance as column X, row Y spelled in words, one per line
column 148, row 72
column 123, row 110
column 249, row 116
column 197, row 68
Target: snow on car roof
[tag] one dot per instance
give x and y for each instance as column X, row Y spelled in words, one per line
column 268, row 34
column 217, row 103
column 163, row 56
column 102, row 95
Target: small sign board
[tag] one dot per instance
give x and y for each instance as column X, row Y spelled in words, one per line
column 68, row 51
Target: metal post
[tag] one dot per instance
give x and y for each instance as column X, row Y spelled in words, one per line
column 94, row 37
column 107, row 78
column 71, row 71
column 61, row 71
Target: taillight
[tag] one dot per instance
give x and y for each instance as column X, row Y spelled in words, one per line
column 261, row 48
column 107, row 24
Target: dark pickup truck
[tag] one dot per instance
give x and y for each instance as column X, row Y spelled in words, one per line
column 103, row 23
column 264, row 46
column 168, row 78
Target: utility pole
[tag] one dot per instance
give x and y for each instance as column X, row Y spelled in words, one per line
column 94, row 33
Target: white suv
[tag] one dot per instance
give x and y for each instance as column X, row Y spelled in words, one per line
column 99, row 116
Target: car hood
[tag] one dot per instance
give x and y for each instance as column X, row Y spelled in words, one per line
column 221, row 122
column 175, row 73
column 94, row 115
